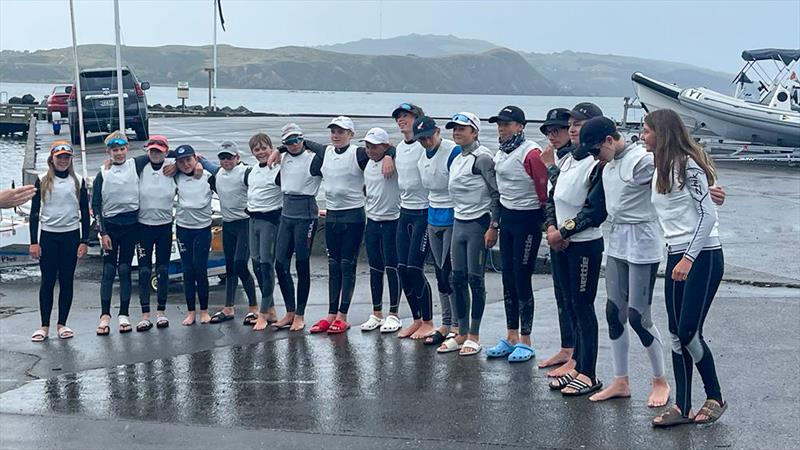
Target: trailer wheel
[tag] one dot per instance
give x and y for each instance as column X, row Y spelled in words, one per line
column 154, row 282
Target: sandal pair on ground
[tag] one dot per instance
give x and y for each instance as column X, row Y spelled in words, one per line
column 125, row 325
column 468, row 348
column 219, row 317
column 577, row 387
column 338, row 326
column 514, row 353
column 389, row 324
column 711, row 409
column 63, row 333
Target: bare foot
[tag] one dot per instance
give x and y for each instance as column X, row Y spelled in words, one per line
column 298, row 324
column 423, row 331
column 619, row 388
column 204, row 317
column 563, row 355
column 284, row 321
column 659, row 396
column 272, row 315
column 409, row 330
column 261, row 323
column 189, row 320
column 562, row 370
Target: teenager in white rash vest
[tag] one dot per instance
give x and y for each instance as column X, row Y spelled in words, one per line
column 264, row 205
column 343, row 173
column 695, row 262
column 412, row 235
column 556, row 129
column 231, row 188
column 193, row 229
column 115, row 204
column 156, row 201
column 434, row 171
column 575, row 211
column 383, row 212
column 473, row 189
column 60, row 206
column 522, row 182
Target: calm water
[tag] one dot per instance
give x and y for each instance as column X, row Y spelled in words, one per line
column 367, row 103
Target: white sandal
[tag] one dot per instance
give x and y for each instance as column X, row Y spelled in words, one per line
column 372, row 323
column 472, row 345
column 391, row 324
column 65, row 333
column 39, row 336
column 124, row 324
column 449, row 346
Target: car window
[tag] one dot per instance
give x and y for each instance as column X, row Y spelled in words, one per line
column 97, row 81
column 60, row 90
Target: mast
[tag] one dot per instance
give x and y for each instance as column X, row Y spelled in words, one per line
column 214, row 72
column 78, row 90
column 120, row 93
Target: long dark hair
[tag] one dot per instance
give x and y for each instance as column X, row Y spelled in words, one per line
column 674, row 147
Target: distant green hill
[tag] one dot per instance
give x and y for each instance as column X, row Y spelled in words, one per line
column 425, row 45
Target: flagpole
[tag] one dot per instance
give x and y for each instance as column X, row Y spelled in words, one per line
column 120, row 93
column 78, row 90
column 214, row 88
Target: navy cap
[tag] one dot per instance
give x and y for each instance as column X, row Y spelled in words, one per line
column 424, row 127
column 585, row 111
column 509, row 114
column 556, row 117
column 409, row 108
column 594, row 131
column 183, row 151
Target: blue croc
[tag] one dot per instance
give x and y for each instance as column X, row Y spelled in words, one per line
column 521, row 353
column 501, row 350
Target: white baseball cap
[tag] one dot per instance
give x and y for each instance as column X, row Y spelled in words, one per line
column 343, row 122
column 229, row 147
column 290, row 129
column 465, row 118
column 376, row 136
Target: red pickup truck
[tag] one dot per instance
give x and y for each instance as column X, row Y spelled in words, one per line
column 57, row 101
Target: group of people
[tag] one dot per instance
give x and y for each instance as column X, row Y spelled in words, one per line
column 453, row 198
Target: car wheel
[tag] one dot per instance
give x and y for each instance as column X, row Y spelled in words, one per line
column 154, row 283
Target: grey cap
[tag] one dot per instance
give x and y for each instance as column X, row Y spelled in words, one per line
column 229, row 147
column 290, row 129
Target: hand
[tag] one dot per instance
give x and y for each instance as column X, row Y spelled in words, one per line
column 388, row 167
column 554, row 239
column 107, row 164
column 169, row 169
column 105, row 241
column 82, row 250
column 681, row 270
column 10, row 198
column 35, row 251
column 490, row 238
column 717, row 194
column 548, row 155
column 198, row 171
column 274, row 159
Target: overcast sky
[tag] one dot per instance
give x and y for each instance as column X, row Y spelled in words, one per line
column 706, row 33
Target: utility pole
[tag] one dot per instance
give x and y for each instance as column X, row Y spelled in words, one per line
column 210, row 71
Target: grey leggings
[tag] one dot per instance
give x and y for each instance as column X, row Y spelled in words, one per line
column 468, row 252
column 630, row 296
column 263, row 239
column 440, row 239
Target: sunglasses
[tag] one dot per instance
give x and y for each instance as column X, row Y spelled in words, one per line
column 461, row 118
column 293, row 140
column 61, row 147
column 117, row 142
column 226, row 157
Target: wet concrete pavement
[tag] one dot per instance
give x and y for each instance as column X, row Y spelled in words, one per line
column 212, row 386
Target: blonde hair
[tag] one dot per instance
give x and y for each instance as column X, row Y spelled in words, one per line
column 115, row 135
column 46, row 186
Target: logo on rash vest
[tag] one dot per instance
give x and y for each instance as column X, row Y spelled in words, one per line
column 584, row 273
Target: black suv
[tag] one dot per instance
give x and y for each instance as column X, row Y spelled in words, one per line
column 100, row 111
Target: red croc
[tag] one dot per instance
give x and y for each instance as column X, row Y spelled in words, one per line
column 320, row 327
column 338, row 326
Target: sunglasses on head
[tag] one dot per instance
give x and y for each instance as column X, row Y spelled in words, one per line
column 293, row 140
column 226, row 156
column 117, row 142
column 61, row 147
column 460, row 118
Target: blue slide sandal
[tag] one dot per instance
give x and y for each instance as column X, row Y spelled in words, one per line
column 502, row 349
column 521, row 353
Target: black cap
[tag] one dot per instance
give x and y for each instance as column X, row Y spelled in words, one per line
column 183, row 151
column 585, row 111
column 557, row 117
column 509, row 114
column 409, row 108
column 423, row 127
column 594, row 132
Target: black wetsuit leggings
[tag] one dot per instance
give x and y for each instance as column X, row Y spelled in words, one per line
column 583, row 261
column 520, row 236
column 380, row 240
column 468, row 252
column 295, row 236
column 118, row 259
column 343, row 241
column 160, row 238
column 194, row 245
column 688, row 303
column 566, row 316
column 59, row 256
column 236, row 247
column 412, row 248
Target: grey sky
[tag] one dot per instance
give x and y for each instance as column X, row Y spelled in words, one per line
column 706, row 33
